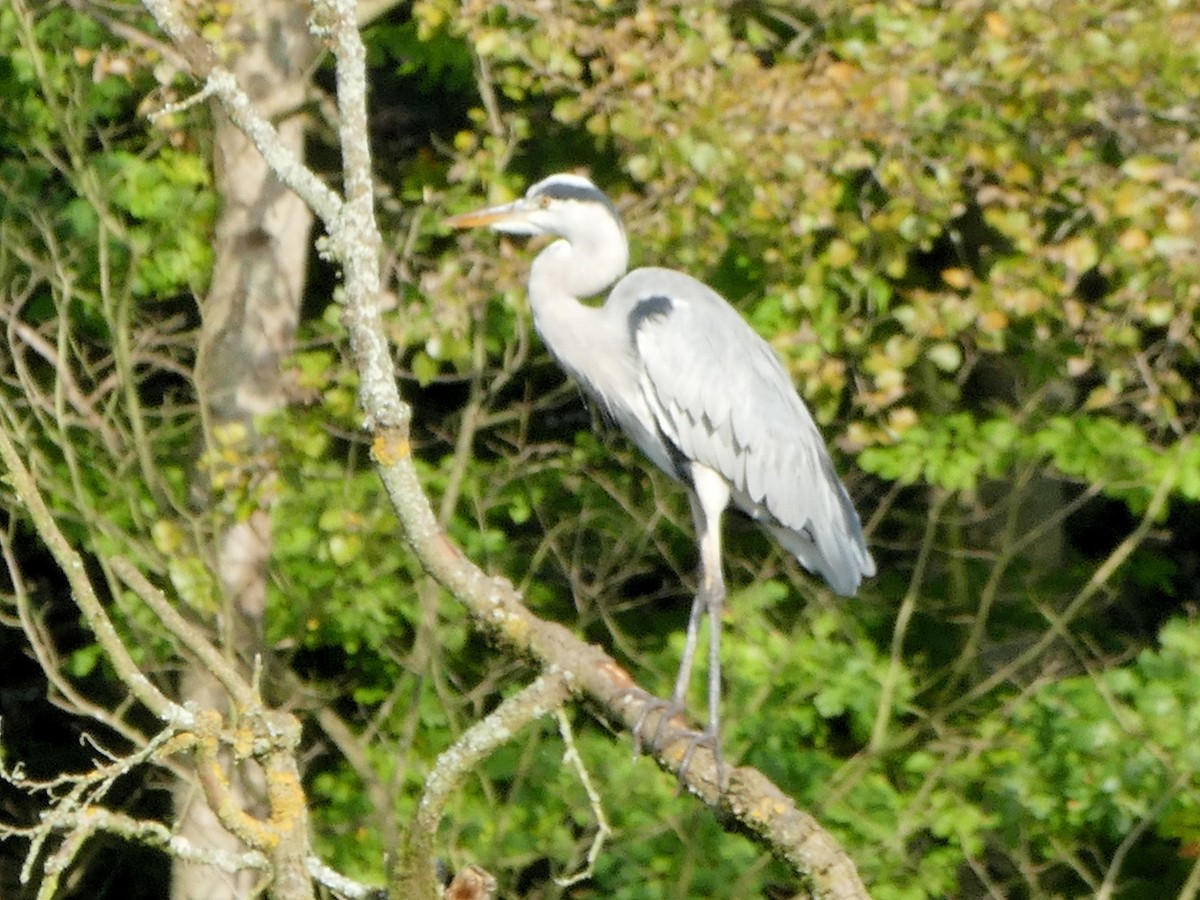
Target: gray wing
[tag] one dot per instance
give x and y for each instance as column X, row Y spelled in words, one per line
column 721, row 397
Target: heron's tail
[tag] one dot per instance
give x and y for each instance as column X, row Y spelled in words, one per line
column 837, row 551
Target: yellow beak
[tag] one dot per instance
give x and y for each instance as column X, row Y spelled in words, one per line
column 492, row 215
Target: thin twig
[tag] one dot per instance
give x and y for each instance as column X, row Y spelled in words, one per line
column 43, row 649
column 416, row 873
column 337, row 882
column 603, row 829
column 1191, row 887
column 188, row 634
column 1099, row 578
column 1011, row 548
column 883, row 713
column 85, row 595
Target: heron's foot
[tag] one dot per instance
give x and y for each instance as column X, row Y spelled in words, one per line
column 710, row 739
column 671, row 714
column 668, row 712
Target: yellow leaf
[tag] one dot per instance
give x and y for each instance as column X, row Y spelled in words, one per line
column 1159, row 312
column 958, row 279
column 1078, row 365
column 841, row 73
column 1099, row 398
column 1133, row 239
column 1179, row 219
column 857, row 437
column 1020, row 174
column 840, row 253
column 901, row 419
column 1144, row 168
column 167, row 535
column 488, row 42
column 996, row 24
column 1080, row 253
column 945, row 355
column 993, row 320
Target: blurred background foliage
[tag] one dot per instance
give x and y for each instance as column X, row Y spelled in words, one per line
column 970, row 231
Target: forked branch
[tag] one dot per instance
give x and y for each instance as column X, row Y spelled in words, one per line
column 354, row 240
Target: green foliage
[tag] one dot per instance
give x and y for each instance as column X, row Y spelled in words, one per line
column 157, row 194
column 984, row 284
column 953, row 452
column 101, row 223
column 1091, row 758
column 440, row 64
column 970, row 232
column 958, row 451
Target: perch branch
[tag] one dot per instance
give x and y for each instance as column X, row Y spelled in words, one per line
column 751, row 798
column 756, row 803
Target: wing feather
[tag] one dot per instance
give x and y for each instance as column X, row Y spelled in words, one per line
column 719, row 392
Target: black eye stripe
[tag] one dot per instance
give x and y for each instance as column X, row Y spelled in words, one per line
column 570, row 190
column 565, row 191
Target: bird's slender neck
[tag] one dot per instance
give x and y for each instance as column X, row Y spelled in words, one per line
column 571, row 268
column 582, row 263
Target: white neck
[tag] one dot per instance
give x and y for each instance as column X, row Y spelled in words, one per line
column 580, row 264
column 561, row 274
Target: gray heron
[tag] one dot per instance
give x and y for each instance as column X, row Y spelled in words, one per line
column 696, row 389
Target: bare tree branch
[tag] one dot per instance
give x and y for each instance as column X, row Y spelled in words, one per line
column 222, row 84
column 603, row 829
column 355, row 241
column 189, row 635
column 40, row 642
column 81, row 586
column 416, row 875
column 1099, row 578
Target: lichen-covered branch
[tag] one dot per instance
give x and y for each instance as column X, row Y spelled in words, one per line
column 355, row 242
column 415, row 872
column 268, row 737
column 355, row 235
column 277, row 846
column 220, row 82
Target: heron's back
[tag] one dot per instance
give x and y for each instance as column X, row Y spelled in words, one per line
column 714, row 392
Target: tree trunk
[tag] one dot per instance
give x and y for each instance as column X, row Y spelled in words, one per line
column 249, row 321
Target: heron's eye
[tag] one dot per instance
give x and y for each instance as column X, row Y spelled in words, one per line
column 543, row 201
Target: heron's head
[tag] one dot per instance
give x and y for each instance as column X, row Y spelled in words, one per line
column 563, row 205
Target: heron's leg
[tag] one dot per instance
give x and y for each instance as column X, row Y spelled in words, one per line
column 699, row 605
column 716, row 605
column 668, row 710
column 678, row 702
column 710, row 496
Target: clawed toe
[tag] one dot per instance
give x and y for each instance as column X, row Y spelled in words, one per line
column 703, row 739
column 667, row 711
